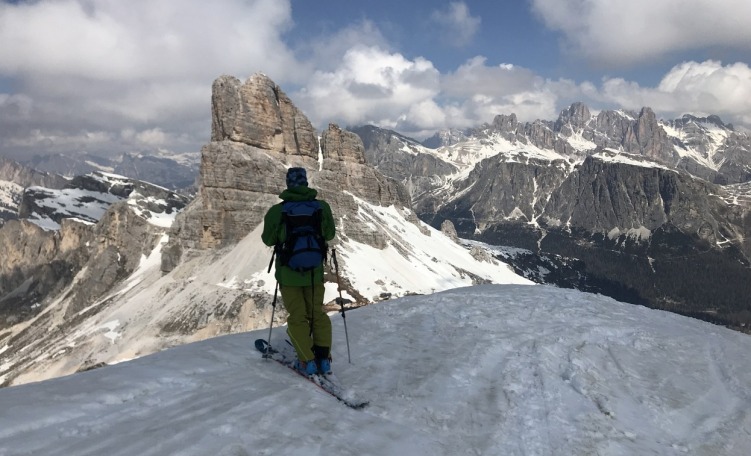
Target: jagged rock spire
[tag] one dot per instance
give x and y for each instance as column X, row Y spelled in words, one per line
column 258, row 113
column 257, row 132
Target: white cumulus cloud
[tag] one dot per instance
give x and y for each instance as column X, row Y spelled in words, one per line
column 370, row 85
column 475, row 76
column 387, row 89
column 101, row 66
column 700, row 88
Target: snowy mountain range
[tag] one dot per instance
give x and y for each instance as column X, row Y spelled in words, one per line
column 87, row 198
column 705, row 147
column 643, row 207
column 175, row 171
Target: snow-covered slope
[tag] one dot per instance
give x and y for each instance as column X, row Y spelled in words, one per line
column 473, row 150
column 501, row 370
column 698, row 139
column 9, row 194
column 86, row 206
column 88, row 197
column 617, row 156
column 418, row 258
column 10, row 197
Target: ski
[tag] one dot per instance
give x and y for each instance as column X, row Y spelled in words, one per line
column 327, row 383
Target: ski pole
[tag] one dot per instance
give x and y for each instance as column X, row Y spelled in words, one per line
column 273, row 305
column 271, row 325
column 340, row 301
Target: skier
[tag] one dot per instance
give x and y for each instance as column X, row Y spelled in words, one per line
column 298, row 228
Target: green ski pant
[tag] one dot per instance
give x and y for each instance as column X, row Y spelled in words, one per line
column 308, row 324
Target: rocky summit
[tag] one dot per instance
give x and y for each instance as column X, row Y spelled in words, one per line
column 257, row 133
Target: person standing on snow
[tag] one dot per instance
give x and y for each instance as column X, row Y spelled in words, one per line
column 299, row 228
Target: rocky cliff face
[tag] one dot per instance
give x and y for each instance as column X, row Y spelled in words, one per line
column 83, row 238
column 35, row 263
column 257, row 133
column 497, row 191
column 642, row 232
column 10, row 199
column 407, row 161
column 259, row 114
column 711, row 149
column 11, row 171
column 14, row 178
column 602, row 196
column 634, row 197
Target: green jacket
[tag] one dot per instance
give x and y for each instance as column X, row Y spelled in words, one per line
column 273, row 234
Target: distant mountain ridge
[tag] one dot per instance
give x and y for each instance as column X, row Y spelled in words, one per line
column 86, row 198
column 621, row 191
column 705, row 147
column 176, row 172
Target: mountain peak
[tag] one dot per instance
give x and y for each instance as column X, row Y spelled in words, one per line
column 711, row 119
column 577, row 115
column 258, row 113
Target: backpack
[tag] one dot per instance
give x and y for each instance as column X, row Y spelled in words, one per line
column 304, row 247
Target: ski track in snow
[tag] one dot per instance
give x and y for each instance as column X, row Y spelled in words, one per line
column 500, row 370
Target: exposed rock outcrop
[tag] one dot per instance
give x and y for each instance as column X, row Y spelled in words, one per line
column 447, row 228
column 258, row 113
column 600, row 196
column 14, row 178
column 257, row 133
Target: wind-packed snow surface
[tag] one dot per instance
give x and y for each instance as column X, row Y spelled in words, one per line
column 486, row 370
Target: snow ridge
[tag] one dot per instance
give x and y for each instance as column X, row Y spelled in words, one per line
column 493, row 369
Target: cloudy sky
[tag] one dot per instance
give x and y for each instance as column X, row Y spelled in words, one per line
column 107, row 76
